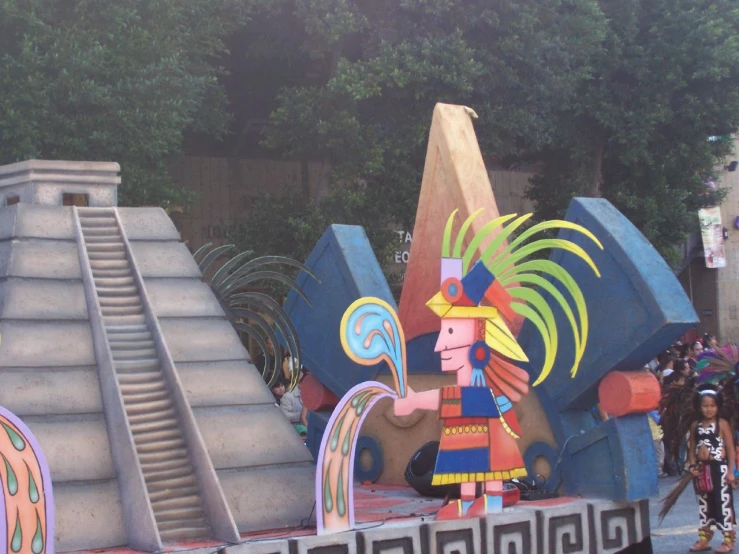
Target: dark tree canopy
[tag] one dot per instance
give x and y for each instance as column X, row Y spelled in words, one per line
column 378, row 67
column 612, row 98
column 608, row 97
column 665, row 79
column 113, row 80
column 388, row 63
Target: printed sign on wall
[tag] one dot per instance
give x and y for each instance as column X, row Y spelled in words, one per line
column 712, row 233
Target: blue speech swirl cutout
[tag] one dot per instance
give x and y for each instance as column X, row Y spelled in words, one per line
column 372, row 331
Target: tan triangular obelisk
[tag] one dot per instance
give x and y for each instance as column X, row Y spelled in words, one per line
column 454, row 177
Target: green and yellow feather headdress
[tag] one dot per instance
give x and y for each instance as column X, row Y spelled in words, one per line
column 504, row 279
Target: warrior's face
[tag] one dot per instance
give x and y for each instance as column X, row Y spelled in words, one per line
column 455, row 338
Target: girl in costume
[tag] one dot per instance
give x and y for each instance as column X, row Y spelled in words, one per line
column 711, row 444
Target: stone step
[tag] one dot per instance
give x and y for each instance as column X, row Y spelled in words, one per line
column 114, row 320
column 133, row 355
column 119, row 301
column 125, row 331
column 162, row 456
column 140, row 378
column 136, row 366
column 98, row 265
column 184, row 502
column 173, row 493
column 109, row 232
column 109, row 281
column 96, row 255
column 146, row 437
column 147, row 407
column 102, row 239
column 117, row 345
column 121, row 290
column 169, row 471
column 148, row 427
column 184, row 529
column 109, row 311
column 174, row 514
column 105, row 220
column 153, row 385
column 170, row 482
column 159, row 446
column 113, row 247
column 86, row 211
column 151, row 417
column 133, row 400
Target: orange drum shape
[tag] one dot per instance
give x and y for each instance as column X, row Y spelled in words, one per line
column 628, row 392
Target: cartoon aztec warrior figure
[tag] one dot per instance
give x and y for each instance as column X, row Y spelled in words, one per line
column 476, row 304
column 478, row 443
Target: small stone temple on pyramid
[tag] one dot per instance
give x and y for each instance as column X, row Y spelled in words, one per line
column 118, row 357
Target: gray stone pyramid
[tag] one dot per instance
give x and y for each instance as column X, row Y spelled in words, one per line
column 156, row 426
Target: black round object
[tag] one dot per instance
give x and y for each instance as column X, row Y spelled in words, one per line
column 420, row 471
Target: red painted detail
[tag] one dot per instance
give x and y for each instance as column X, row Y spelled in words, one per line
column 628, row 392
column 500, row 298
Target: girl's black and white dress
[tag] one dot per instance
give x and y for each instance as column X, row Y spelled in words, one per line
column 716, row 507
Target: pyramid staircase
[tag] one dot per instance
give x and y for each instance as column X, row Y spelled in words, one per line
column 141, row 397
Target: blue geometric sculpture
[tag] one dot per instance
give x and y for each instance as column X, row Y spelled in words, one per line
column 347, row 269
column 636, row 309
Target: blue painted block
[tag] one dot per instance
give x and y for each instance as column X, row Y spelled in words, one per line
column 317, row 423
column 347, row 268
column 636, row 309
column 590, row 457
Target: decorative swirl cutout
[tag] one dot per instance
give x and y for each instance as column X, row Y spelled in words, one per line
column 335, row 464
column 371, row 334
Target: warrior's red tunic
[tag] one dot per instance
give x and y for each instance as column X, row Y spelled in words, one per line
column 478, row 441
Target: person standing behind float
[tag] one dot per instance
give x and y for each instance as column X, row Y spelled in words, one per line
column 711, row 449
column 709, row 342
column 659, row 446
column 695, row 350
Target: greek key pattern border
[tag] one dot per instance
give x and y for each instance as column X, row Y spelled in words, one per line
column 578, row 527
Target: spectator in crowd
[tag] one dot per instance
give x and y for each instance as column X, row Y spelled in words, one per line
column 665, row 366
column 292, row 405
column 659, row 446
column 680, row 374
column 709, row 342
column 695, row 350
column 278, row 390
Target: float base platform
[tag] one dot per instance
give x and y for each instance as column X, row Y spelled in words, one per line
column 396, row 520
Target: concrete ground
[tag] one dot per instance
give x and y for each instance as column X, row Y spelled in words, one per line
column 678, row 531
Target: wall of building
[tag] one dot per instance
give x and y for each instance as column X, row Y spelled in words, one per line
column 700, row 285
column 509, row 188
column 225, row 189
column 728, row 277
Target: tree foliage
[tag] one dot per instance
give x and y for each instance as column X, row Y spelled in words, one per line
column 611, row 98
column 666, row 77
column 120, row 81
column 387, row 63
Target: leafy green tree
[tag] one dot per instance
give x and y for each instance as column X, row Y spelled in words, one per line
column 666, row 77
column 385, row 64
column 113, row 80
column 612, row 98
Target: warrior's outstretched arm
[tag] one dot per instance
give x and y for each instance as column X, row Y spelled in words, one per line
column 426, row 400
